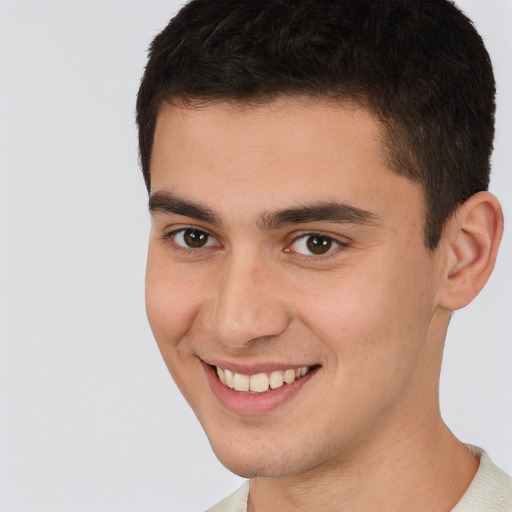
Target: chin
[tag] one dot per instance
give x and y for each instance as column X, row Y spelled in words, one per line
column 262, row 459
column 257, row 466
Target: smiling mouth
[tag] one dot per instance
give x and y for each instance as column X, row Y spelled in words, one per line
column 261, row 382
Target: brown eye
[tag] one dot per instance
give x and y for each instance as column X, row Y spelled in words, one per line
column 319, row 244
column 315, row 244
column 194, row 238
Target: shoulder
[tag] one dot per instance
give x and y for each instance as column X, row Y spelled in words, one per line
column 490, row 490
column 237, row 502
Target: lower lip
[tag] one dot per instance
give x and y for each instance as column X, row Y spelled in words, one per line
column 254, row 404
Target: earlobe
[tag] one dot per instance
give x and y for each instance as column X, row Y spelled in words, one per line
column 471, row 240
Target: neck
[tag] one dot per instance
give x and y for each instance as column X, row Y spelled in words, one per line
column 424, row 469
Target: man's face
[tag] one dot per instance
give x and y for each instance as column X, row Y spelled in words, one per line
column 281, row 241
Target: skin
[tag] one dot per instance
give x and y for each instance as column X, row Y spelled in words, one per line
column 371, row 314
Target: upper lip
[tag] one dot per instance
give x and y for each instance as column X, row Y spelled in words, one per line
column 255, row 368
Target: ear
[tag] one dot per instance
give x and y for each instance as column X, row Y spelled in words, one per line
column 470, row 241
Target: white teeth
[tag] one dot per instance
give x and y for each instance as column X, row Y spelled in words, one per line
column 229, row 378
column 289, row 376
column 260, row 383
column 222, row 375
column 276, row 379
column 241, row 382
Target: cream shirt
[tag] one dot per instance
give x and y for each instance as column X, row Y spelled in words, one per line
column 490, row 491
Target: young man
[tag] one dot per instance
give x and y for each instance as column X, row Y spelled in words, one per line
column 317, row 175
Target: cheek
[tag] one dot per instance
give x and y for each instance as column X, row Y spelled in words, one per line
column 375, row 336
column 372, row 318
column 172, row 305
column 171, row 302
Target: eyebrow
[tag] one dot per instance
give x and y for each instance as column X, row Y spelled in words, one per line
column 169, row 203
column 319, row 212
column 166, row 202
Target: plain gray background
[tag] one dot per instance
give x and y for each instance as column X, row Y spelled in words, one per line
column 89, row 418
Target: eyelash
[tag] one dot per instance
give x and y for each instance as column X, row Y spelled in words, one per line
column 338, row 244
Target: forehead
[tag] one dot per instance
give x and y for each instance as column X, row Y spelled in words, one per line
column 286, row 128
column 250, row 158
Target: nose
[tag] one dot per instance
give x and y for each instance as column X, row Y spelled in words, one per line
column 248, row 303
